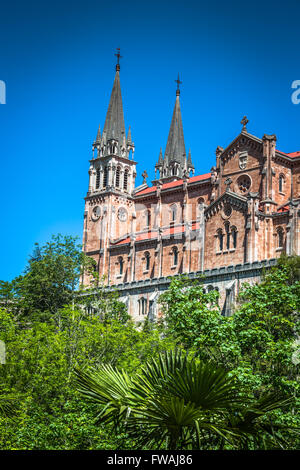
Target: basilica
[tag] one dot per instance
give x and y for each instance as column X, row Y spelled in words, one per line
column 222, row 227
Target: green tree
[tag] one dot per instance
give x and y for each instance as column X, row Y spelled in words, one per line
column 259, row 342
column 38, row 374
column 50, row 281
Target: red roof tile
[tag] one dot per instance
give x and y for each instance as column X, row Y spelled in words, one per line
column 173, row 184
column 291, row 154
column 153, row 234
column 294, row 154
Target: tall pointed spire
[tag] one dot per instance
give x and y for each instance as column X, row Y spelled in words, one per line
column 175, row 149
column 175, row 163
column 114, row 127
column 175, row 155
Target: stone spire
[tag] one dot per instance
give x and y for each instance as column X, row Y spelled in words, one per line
column 98, row 138
column 175, row 162
column 129, row 136
column 190, row 166
column 114, row 127
column 160, row 159
column 175, row 149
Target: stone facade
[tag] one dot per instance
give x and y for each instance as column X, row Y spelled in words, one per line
column 226, row 224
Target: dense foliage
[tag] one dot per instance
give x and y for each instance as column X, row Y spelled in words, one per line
column 49, row 331
column 179, row 402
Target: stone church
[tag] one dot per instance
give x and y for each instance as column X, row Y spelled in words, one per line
column 227, row 224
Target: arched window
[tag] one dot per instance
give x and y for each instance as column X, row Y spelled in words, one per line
column 175, row 256
column 234, row 236
column 147, row 261
column 281, row 183
column 97, row 178
column 280, row 238
column 121, row 265
column 125, row 185
column 105, row 177
column 174, row 171
column 118, row 172
column 142, row 306
column 173, row 213
column 220, row 237
column 148, row 218
column 227, row 236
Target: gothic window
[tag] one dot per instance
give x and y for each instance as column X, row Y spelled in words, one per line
column 281, row 183
column 147, row 261
column 142, row 306
column 118, row 172
column 280, row 238
column 105, row 177
column 174, row 171
column 125, row 185
column 175, row 256
column 121, row 265
column 234, row 236
column 200, row 205
column 148, row 218
column 220, row 237
column 173, row 213
column 227, row 236
column 97, row 178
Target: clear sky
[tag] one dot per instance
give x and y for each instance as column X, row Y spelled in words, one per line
column 57, row 60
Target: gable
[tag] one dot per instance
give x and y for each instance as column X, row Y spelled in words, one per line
column 243, row 154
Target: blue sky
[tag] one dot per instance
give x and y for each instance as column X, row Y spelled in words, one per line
column 58, row 63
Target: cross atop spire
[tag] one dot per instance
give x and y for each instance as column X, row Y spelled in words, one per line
column 178, row 83
column 118, row 55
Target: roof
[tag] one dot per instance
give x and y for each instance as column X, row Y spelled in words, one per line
column 291, row 154
column 173, row 184
column 294, row 154
column 153, row 234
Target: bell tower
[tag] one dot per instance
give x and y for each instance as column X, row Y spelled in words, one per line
column 109, row 205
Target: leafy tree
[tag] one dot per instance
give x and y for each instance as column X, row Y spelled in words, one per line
column 50, row 280
column 174, row 401
column 38, row 376
column 259, row 342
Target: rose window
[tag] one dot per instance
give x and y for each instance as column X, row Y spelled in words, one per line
column 244, row 183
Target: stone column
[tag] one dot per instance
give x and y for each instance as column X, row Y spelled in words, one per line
column 201, row 235
column 269, row 145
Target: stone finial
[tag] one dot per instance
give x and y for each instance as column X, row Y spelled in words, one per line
column 145, row 176
column 219, row 150
column 244, row 123
column 269, row 137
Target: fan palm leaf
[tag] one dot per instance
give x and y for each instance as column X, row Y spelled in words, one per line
column 174, row 400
